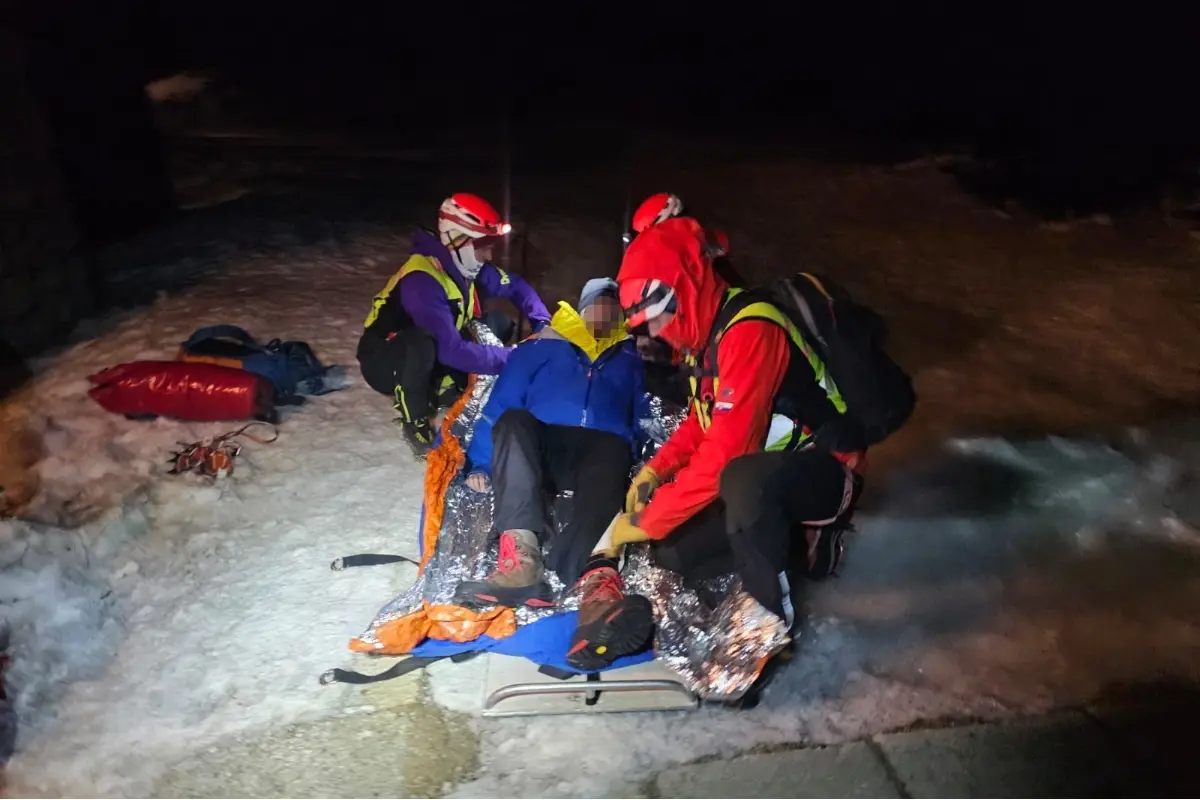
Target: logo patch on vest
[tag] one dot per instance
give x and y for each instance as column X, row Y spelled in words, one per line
column 725, row 404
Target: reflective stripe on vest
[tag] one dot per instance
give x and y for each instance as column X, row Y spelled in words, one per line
column 783, row 433
column 431, row 267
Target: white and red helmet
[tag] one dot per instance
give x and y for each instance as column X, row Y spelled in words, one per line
column 467, row 221
column 644, row 299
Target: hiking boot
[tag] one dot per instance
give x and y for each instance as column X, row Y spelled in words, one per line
column 823, row 550
column 517, row 579
column 419, row 436
column 611, row 623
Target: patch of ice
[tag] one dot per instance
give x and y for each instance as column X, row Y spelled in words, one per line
column 63, row 630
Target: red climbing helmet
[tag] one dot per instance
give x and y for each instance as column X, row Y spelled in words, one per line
column 655, row 209
column 658, row 208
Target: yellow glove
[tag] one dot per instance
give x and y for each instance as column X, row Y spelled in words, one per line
column 644, row 484
column 626, row 531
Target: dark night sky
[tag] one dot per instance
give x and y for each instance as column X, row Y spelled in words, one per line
column 885, row 68
column 1078, row 94
column 1008, row 74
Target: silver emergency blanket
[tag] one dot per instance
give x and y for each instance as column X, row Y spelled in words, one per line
column 715, row 637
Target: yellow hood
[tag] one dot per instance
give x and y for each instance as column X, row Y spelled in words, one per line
column 567, row 324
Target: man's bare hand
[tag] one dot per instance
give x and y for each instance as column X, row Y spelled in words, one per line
column 478, row 482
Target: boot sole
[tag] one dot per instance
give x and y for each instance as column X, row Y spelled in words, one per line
column 476, row 594
column 625, row 630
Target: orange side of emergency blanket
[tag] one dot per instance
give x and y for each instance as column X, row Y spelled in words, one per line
column 443, row 622
column 442, row 464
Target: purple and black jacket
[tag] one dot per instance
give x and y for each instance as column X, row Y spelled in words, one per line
column 426, row 303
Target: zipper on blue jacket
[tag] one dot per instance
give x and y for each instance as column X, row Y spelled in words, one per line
column 592, row 367
column 587, row 394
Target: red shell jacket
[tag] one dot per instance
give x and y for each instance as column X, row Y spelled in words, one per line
column 753, row 358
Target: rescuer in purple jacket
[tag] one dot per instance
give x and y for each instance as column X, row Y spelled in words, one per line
column 417, row 346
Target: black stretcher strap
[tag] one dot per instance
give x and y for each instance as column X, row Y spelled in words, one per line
column 410, row 664
column 404, row 667
column 367, row 560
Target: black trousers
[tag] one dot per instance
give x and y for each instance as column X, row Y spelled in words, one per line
column 405, row 367
column 532, row 462
column 765, row 500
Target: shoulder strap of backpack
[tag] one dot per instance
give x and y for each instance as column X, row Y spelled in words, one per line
column 751, row 304
column 758, row 306
column 744, row 304
column 233, row 332
column 706, row 366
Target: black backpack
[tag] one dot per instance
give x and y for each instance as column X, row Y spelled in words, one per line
column 292, row 367
column 849, row 338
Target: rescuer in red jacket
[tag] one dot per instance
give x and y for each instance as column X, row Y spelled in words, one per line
column 662, row 361
column 739, row 486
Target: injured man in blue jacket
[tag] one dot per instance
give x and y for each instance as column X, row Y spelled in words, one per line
column 562, row 417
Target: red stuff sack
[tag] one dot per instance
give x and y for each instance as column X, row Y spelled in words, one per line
column 184, row 390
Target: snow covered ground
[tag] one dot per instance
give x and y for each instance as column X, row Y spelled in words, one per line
column 1083, row 582
column 187, row 610
column 159, row 618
